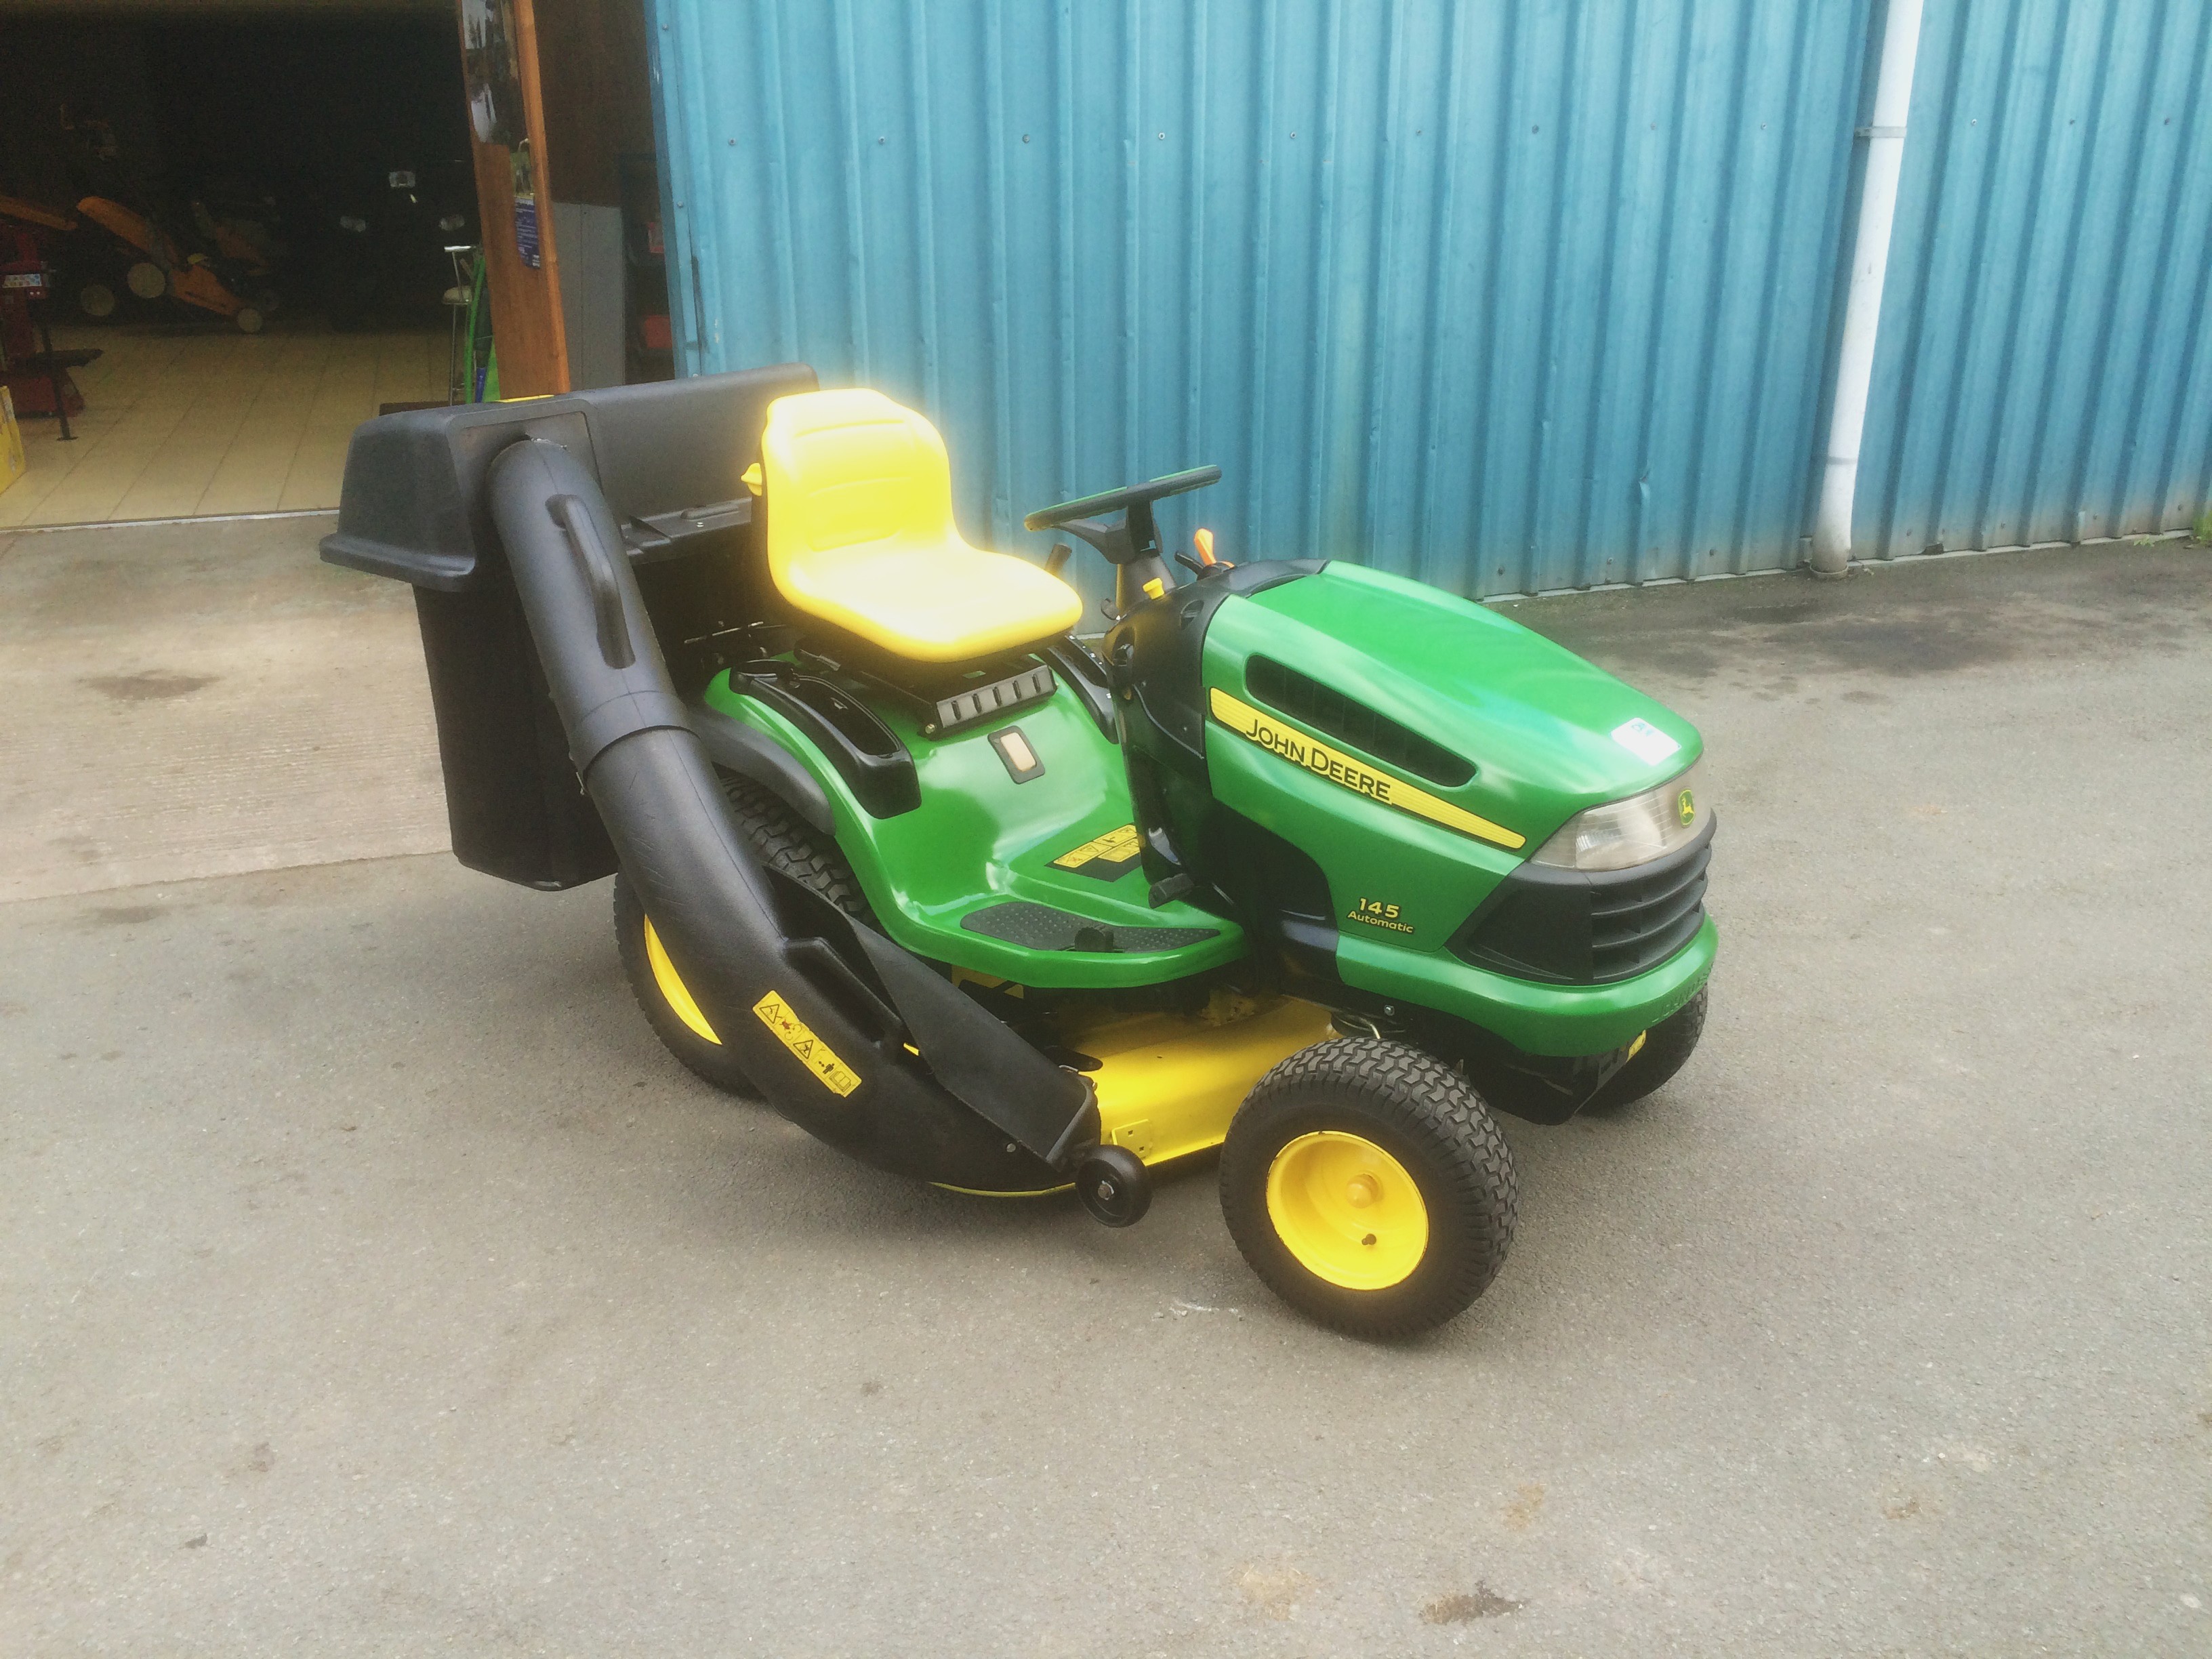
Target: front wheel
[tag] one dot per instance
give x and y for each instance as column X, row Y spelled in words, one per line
column 1370, row 1188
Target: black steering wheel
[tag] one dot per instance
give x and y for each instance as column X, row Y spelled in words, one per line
column 1124, row 500
column 1133, row 545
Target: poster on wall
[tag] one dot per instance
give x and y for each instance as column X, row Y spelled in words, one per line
column 526, row 205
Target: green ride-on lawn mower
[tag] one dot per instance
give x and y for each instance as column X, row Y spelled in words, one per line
column 1305, row 862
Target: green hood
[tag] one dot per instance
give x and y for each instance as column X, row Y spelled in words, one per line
column 1537, row 721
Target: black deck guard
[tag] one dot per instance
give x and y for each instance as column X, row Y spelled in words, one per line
column 803, row 1016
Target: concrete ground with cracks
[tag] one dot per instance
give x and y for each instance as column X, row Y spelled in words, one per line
column 373, row 1283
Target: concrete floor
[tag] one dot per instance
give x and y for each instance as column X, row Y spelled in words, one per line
column 373, row 1284
column 200, row 699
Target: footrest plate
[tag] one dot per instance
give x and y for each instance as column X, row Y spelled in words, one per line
column 1042, row 927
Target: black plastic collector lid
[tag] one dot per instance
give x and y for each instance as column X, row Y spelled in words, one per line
column 669, row 455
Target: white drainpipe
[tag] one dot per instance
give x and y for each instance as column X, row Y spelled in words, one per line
column 1893, row 98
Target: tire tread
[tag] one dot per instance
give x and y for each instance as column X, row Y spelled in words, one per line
column 784, row 842
column 1427, row 1102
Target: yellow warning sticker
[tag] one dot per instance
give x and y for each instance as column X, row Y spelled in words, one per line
column 1338, row 767
column 1105, row 856
column 797, row 1036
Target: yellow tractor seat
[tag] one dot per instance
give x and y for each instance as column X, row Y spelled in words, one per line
column 858, row 499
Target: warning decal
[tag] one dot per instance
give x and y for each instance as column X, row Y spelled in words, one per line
column 797, row 1036
column 1107, row 857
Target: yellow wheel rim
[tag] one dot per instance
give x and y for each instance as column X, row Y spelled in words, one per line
column 1348, row 1210
column 671, row 986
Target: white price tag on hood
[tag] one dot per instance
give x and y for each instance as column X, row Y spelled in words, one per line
column 1645, row 741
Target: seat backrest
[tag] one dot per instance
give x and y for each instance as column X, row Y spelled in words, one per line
column 848, row 470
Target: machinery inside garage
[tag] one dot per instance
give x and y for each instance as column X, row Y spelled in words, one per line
column 230, row 232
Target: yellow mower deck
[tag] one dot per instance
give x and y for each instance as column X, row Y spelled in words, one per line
column 1168, row 1083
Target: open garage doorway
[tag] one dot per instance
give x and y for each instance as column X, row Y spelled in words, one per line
column 260, row 224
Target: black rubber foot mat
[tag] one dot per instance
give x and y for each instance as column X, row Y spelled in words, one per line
column 1041, row 927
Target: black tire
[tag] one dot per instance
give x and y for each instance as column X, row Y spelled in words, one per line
column 1667, row 1047
column 95, row 300
column 788, row 843
column 1439, row 1133
column 784, row 842
column 1112, row 1185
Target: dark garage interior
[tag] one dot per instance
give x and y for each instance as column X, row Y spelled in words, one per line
column 254, row 226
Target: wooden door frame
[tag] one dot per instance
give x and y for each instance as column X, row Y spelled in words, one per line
column 527, row 331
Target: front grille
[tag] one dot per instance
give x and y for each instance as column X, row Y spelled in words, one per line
column 1642, row 922
column 1583, row 927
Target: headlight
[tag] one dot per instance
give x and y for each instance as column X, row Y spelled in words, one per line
column 452, row 222
column 347, row 221
column 1625, row 833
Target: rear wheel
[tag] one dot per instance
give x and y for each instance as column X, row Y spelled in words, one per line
column 1667, row 1047
column 248, row 318
column 1370, row 1188
column 95, row 301
column 783, row 840
column 675, row 1019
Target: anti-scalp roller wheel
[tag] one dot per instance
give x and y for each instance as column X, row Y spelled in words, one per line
column 1112, row 1183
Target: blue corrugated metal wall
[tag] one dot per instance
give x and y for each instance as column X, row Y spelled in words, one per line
column 1512, row 296
column 2043, row 373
